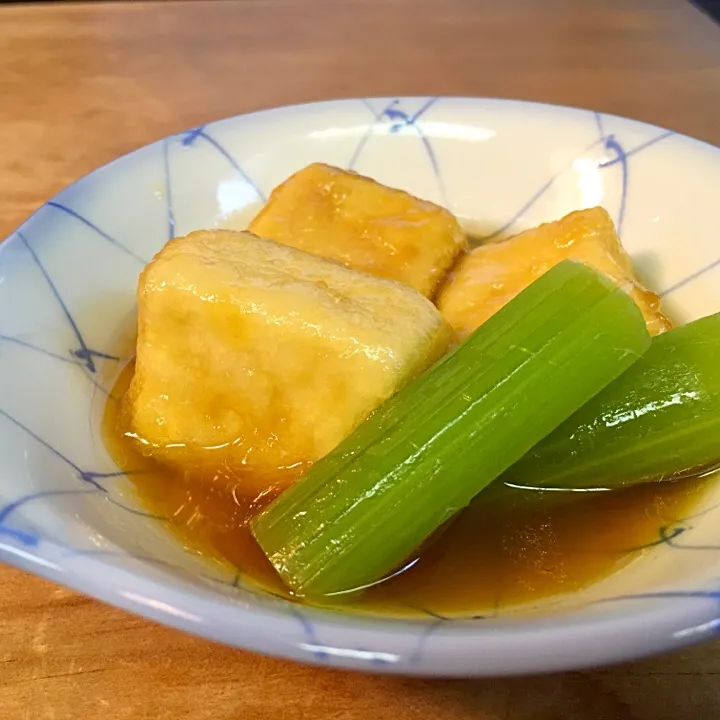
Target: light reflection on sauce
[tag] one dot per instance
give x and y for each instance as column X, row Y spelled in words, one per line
column 495, row 555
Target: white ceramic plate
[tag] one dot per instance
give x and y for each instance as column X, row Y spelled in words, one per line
column 67, row 281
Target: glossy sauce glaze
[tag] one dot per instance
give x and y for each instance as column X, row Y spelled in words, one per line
column 495, row 555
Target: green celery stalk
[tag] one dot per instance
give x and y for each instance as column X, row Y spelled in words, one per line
column 424, row 454
column 659, row 420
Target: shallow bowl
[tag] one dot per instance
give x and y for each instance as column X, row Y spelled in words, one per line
column 67, row 282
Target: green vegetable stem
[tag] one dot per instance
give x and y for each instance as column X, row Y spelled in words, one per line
column 424, row 454
column 660, row 420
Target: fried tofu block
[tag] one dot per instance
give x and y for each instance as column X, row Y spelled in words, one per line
column 357, row 222
column 253, row 356
column 491, row 275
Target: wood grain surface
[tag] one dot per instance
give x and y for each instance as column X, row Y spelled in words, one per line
column 82, row 83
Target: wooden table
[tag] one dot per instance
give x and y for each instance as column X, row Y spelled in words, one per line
column 80, row 84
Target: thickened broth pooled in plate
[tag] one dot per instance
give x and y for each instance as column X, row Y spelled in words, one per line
column 487, row 560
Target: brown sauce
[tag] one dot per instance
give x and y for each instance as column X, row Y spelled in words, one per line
column 514, row 553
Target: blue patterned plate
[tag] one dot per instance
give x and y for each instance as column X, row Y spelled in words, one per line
column 67, row 281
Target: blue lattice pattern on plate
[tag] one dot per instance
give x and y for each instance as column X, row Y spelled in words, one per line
column 67, row 281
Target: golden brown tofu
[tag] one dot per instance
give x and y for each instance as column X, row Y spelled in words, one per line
column 491, row 275
column 253, row 356
column 357, row 222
